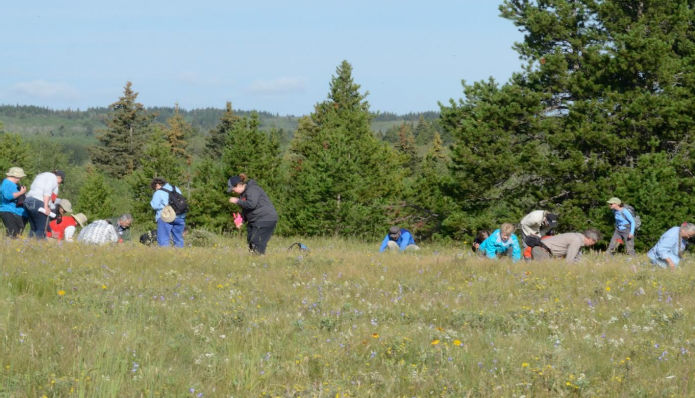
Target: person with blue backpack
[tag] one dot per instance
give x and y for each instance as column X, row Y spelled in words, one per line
column 169, row 214
column 625, row 226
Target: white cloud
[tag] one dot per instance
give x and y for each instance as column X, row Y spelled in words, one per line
column 43, row 90
column 283, row 85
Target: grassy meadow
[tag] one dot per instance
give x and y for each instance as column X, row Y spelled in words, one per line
column 339, row 321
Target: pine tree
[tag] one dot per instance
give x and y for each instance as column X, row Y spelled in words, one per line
column 120, row 144
column 341, row 176
column 178, row 131
column 95, row 198
column 218, row 138
column 406, row 147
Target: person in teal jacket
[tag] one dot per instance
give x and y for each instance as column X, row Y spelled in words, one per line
column 501, row 242
column 398, row 238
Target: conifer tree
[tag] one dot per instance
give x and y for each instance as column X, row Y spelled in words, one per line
column 218, row 138
column 406, row 147
column 178, row 131
column 341, row 176
column 120, row 145
column 95, row 198
column 14, row 152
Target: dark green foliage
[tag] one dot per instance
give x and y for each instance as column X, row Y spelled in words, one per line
column 120, row 145
column 341, row 178
column 209, row 204
column 14, row 152
column 95, row 197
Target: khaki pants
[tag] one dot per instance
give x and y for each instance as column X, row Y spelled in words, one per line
column 629, row 243
column 540, row 253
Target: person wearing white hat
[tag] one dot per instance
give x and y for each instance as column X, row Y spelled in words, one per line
column 63, row 227
column 12, row 211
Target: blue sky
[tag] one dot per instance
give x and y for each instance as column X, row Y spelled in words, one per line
column 275, row 56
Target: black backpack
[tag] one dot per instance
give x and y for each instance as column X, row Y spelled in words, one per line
column 177, row 201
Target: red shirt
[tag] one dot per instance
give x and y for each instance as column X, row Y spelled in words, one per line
column 58, row 230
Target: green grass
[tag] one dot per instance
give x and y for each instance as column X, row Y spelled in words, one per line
column 341, row 320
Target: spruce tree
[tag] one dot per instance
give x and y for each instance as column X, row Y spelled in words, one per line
column 95, row 198
column 120, row 145
column 178, row 131
column 341, row 177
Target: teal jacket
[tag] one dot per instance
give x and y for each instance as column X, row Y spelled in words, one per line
column 494, row 245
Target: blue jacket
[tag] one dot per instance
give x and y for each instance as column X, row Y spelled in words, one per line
column 403, row 241
column 667, row 247
column 623, row 218
column 494, row 245
column 8, row 203
column 160, row 200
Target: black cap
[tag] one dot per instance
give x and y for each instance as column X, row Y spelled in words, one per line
column 551, row 219
column 232, row 182
column 61, row 174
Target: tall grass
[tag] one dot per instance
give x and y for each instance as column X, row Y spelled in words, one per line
column 341, row 320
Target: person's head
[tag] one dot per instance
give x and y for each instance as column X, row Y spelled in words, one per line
column 60, row 174
column 482, row 235
column 64, row 206
column 394, row 232
column 591, row 236
column 237, row 184
column 81, row 219
column 506, row 231
column 615, row 203
column 687, row 230
column 125, row 220
column 157, row 183
column 15, row 174
column 550, row 220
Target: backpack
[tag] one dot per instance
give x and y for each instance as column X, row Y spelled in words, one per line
column 177, row 201
column 638, row 221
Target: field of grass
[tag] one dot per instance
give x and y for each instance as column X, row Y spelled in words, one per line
column 339, row 321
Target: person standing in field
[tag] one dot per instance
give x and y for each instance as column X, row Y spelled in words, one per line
column 43, row 192
column 502, row 242
column 256, row 209
column 398, row 239
column 566, row 245
column 167, row 230
column 624, row 227
column 669, row 249
column 13, row 214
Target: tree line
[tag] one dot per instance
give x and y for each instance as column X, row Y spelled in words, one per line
column 602, row 107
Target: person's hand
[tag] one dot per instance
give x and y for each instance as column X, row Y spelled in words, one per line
column 22, row 190
column 237, row 220
column 630, row 236
column 234, row 200
column 47, row 210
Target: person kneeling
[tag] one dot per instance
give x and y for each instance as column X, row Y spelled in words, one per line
column 398, row 239
column 501, row 242
column 670, row 247
column 566, row 245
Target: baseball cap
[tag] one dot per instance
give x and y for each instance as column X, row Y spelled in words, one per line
column 615, row 201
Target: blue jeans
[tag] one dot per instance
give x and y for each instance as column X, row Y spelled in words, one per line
column 37, row 221
column 167, row 231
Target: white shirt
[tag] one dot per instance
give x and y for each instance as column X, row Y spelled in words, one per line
column 45, row 184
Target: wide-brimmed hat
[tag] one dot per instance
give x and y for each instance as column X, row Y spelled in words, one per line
column 16, row 172
column 80, row 218
column 168, row 214
column 65, row 204
column 614, row 201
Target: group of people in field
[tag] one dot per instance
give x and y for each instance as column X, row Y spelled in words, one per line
column 538, row 242
column 50, row 216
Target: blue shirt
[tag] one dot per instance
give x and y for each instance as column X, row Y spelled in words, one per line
column 8, row 203
column 403, row 241
column 494, row 245
column 667, row 247
column 160, row 200
column 623, row 218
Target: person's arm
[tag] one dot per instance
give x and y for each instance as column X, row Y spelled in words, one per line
column 628, row 216
column 158, row 201
column 404, row 240
column 69, row 233
column 251, row 199
column 516, row 250
column 384, row 244
column 573, row 251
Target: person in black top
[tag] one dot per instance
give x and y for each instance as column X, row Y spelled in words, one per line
column 256, row 209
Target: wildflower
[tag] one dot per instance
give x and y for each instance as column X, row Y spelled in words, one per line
column 435, row 342
column 375, row 335
column 103, row 286
column 524, row 365
column 457, row 342
column 608, row 288
column 61, row 292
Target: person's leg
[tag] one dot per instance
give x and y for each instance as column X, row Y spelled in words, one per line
column 614, row 242
column 251, row 232
column 538, row 253
column 10, row 223
column 163, row 231
column 177, row 231
column 629, row 244
column 37, row 220
column 412, row 248
column 263, row 236
column 392, row 245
